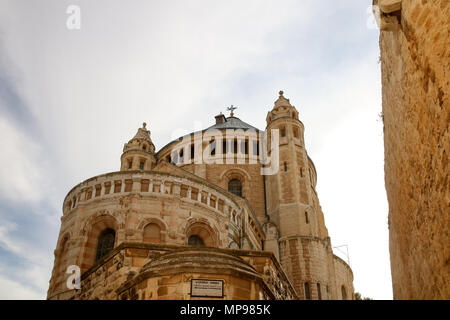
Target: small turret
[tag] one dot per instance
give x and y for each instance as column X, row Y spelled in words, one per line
column 282, row 109
column 139, row 152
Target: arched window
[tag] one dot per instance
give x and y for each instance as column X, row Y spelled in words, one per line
column 319, row 291
column 181, row 155
column 307, row 294
column 105, row 243
column 152, row 233
column 344, row 293
column 235, row 187
column 235, row 146
column 212, row 148
column 195, row 241
column 201, row 234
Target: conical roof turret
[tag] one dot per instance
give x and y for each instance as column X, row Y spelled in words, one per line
column 282, row 101
column 282, row 109
column 139, row 152
column 141, row 141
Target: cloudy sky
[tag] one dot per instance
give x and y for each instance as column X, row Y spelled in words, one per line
column 69, row 99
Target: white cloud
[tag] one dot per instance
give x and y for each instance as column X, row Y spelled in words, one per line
column 19, row 245
column 5, row 241
column 14, row 290
column 21, row 177
column 30, row 279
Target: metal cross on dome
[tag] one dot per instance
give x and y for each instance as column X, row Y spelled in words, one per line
column 231, row 109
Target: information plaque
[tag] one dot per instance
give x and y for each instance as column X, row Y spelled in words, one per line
column 207, row 288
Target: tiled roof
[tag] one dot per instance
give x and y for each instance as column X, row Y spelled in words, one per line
column 232, row 123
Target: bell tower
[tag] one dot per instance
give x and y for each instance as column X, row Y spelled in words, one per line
column 139, row 152
column 292, row 202
column 289, row 190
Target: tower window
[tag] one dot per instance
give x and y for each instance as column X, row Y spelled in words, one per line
column 98, row 189
column 105, row 243
column 212, row 147
column 285, row 166
column 195, row 241
column 256, row 148
column 141, row 165
column 344, row 293
column 319, row 292
column 130, row 164
column 192, row 151
column 181, row 155
column 306, row 217
column 295, row 132
column 144, row 148
column 307, row 294
column 283, row 132
column 235, row 187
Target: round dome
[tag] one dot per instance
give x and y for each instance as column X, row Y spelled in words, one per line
column 199, row 260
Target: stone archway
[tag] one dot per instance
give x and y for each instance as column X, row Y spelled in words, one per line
column 148, row 228
column 236, row 174
column 93, row 229
column 202, row 229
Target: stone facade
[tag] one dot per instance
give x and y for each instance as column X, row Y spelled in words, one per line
column 200, row 208
column 415, row 56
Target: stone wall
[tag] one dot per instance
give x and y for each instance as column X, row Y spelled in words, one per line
column 139, row 271
column 344, row 280
column 310, row 260
column 415, row 55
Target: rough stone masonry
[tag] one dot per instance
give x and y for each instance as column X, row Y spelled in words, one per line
column 415, row 56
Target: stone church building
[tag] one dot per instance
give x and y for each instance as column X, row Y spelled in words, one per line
column 228, row 212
